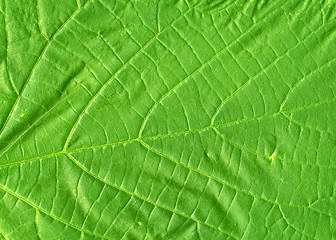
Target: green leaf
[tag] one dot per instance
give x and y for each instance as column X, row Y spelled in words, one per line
column 167, row 119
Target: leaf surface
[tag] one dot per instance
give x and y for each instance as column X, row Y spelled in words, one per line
column 167, row 119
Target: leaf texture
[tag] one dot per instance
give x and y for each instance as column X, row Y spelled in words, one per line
column 167, row 119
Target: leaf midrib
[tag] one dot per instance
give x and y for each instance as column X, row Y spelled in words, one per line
column 184, row 133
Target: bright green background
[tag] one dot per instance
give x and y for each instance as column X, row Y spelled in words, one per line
column 167, row 119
